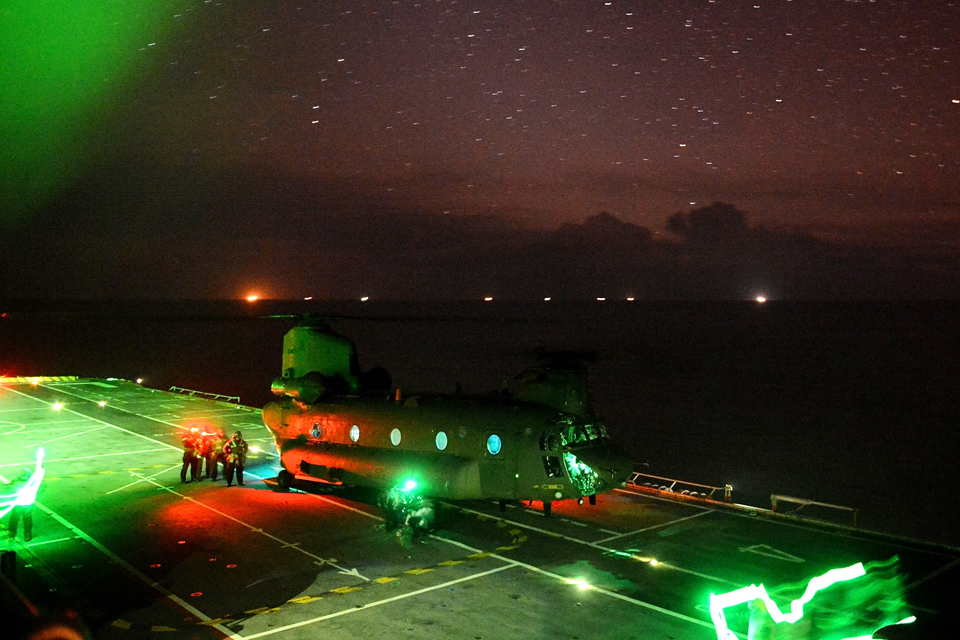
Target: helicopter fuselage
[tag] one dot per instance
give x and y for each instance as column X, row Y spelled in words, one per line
column 453, row 447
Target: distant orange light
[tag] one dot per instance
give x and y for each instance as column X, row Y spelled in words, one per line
column 252, row 298
column 761, row 299
column 488, row 299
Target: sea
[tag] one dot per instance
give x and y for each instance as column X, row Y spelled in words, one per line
column 853, row 404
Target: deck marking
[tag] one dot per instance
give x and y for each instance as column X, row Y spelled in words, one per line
column 370, row 605
column 599, row 544
column 72, row 435
column 77, row 413
column 138, row 481
column 253, row 529
column 656, row 526
column 40, row 544
column 522, row 525
column 130, row 568
column 327, row 500
column 8, row 425
column 84, row 425
column 100, row 455
column 612, row 594
column 933, row 574
column 770, row 552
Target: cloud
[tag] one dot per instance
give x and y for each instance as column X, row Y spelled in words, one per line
column 190, row 234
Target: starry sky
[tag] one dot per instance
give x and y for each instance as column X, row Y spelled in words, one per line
column 228, row 134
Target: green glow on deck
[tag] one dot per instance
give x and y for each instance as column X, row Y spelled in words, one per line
column 758, row 592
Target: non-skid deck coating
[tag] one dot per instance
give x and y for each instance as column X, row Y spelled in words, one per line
column 118, row 538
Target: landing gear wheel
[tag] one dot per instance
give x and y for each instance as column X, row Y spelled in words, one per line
column 547, row 504
column 503, row 506
column 593, row 499
column 284, row 481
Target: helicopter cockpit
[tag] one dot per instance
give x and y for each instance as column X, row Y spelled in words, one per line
column 560, row 444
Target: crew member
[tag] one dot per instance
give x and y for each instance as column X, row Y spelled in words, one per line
column 191, row 460
column 213, row 445
column 235, row 458
column 20, row 502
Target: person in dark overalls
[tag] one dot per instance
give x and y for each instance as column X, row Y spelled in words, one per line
column 213, row 446
column 235, row 458
column 22, row 509
column 191, row 460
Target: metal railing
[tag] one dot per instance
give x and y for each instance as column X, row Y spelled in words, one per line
column 775, row 499
column 205, row 394
column 682, row 487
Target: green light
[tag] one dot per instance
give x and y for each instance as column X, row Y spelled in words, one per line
column 584, row 478
column 758, row 592
column 65, row 65
column 409, row 485
column 27, row 494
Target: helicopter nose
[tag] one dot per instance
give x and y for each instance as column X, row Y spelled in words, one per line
column 611, row 464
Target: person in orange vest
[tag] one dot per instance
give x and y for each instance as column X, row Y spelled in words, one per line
column 235, row 458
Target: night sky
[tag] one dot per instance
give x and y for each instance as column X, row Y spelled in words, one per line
column 795, row 149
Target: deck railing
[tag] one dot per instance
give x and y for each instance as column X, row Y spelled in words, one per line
column 205, row 394
column 776, row 499
column 682, row 487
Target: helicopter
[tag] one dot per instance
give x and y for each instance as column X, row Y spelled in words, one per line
column 336, row 425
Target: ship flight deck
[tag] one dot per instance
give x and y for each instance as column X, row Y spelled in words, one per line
column 119, row 539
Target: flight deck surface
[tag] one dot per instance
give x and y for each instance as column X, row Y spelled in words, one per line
column 118, row 538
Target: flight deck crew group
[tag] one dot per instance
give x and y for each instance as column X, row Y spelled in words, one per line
column 201, row 447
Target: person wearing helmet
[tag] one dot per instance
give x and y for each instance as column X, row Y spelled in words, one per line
column 191, row 460
column 235, row 458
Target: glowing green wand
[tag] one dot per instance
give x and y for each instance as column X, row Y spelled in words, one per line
column 28, row 492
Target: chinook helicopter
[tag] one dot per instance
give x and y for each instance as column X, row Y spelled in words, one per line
column 335, row 425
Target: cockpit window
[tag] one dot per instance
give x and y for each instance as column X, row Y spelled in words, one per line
column 570, row 433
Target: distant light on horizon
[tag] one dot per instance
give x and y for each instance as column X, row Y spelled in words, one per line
column 309, row 298
column 488, row 299
column 630, row 299
column 600, row 299
column 547, row 299
column 364, row 298
column 761, row 299
column 252, row 298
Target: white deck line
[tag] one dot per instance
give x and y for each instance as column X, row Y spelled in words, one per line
column 132, row 570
